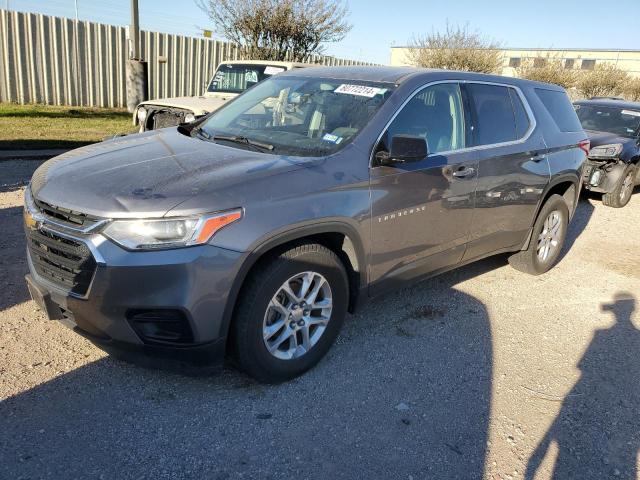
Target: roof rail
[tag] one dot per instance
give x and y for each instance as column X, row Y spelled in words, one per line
column 607, row 98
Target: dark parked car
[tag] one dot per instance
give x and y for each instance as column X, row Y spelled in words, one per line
column 255, row 230
column 613, row 126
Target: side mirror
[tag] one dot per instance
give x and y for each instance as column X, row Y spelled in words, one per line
column 404, row 148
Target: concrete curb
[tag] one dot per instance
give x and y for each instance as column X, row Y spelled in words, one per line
column 31, row 154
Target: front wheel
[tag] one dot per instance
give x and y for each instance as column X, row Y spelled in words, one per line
column 547, row 239
column 289, row 313
column 623, row 190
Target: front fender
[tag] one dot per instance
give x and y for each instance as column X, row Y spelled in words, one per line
column 275, row 239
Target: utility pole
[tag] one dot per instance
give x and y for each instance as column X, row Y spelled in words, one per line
column 137, row 83
column 135, row 31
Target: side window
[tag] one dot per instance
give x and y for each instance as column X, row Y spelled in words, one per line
column 495, row 120
column 522, row 119
column 559, row 107
column 436, row 114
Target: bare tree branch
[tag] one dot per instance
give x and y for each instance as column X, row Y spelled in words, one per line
column 548, row 68
column 603, row 81
column 279, row 29
column 457, row 48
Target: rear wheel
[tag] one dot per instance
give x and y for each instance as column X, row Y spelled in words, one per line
column 290, row 312
column 547, row 239
column 623, row 190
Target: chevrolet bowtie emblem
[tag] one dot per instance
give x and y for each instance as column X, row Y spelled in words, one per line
column 29, row 221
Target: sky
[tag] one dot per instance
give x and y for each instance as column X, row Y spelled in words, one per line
column 380, row 24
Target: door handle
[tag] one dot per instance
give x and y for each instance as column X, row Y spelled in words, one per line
column 464, row 172
column 538, row 157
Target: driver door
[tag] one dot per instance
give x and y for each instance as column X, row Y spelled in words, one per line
column 422, row 210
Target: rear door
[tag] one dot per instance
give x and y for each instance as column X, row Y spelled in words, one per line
column 513, row 168
column 422, row 210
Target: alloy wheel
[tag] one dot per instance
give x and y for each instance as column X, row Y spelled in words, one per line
column 297, row 315
column 549, row 238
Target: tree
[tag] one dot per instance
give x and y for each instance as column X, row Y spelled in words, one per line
column 279, row 29
column 604, row 80
column 457, row 48
column 548, row 68
column 632, row 92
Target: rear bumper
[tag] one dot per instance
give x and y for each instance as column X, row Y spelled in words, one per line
column 193, row 283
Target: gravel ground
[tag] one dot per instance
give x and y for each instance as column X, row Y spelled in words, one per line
column 483, row 372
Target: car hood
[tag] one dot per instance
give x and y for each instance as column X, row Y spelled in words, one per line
column 605, row 138
column 198, row 105
column 149, row 174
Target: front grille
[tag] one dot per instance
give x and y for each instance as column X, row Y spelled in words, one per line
column 65, row 262
column 62, row 214
column 167, row 118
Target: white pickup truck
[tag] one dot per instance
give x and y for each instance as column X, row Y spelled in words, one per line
column 229, row 81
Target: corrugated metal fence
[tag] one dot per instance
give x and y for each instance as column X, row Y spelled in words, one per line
column 59, row 61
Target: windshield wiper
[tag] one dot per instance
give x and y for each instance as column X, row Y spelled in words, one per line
column 201, row 133
column 243, row 140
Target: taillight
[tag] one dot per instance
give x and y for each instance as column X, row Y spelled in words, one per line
column 585, row 145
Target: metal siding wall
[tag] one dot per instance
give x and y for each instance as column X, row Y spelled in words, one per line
column 59, row 61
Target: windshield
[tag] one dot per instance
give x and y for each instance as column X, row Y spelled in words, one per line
column 619, row 121
column 236, row 78
column 299, row 116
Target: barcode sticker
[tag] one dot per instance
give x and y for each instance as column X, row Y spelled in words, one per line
column 360, row 90
column 630, row 112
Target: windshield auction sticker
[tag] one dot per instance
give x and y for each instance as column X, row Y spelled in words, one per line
column 633, row 113
column 269, row 70
column 360, row 90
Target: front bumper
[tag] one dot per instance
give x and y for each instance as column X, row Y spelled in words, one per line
column 602, row 176
column 194, row 283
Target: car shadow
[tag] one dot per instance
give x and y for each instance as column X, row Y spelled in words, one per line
column 13, row 263
column 597, row 432
column 578, row 224
column 405, row 391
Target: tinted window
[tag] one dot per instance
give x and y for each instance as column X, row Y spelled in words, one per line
column 559, row 107
column 522, row 119
column 436, row 114
column 620, row 121
column 495, row 121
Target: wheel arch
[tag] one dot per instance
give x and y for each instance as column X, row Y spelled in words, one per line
column 566, row 186
column 340, row 237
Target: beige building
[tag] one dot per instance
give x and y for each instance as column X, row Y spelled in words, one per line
column 627, row 60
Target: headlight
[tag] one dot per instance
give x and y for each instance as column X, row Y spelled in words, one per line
column 606, row 151
column 142, row 115
column 168, row 232
column 189, row 117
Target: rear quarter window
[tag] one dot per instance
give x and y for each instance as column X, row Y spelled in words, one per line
column 559, row 107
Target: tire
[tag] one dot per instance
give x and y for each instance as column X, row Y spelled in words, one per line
column 623, row 190
column 532, row 260
column 256, row 311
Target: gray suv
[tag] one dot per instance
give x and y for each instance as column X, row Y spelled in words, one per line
column 253, row 231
